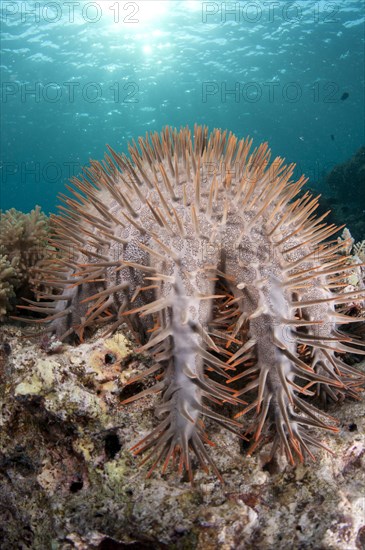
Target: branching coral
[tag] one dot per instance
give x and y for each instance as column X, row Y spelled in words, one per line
column 359, row 250
column 8, row 282
column 356, row 257
column 23, row 243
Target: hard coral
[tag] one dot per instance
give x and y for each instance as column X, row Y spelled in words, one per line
column 23, row 242
column 204, row 247
column 8, row 280
column 359, row 250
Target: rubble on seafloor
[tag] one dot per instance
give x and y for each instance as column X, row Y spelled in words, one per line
column 70, row 481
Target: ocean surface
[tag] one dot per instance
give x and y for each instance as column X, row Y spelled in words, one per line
column 79, row 75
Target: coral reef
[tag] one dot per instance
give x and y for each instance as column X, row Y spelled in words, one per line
column 23, row 243
column 8, row 281
column 359, row 250
column 346, row 184
column 355, row 277
column 68, row 480
column 347, row 179
column 229, row 280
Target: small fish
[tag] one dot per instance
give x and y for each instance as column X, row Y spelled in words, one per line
column 332, row 137
column 344, row 96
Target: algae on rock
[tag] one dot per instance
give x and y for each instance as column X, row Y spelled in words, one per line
column 69, row 481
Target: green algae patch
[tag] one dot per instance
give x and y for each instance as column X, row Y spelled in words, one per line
column 41, row 380
column 116, row 471
column 32, row 387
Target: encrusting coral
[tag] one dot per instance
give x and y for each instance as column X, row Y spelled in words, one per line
column 203, row 247
column 23, row 243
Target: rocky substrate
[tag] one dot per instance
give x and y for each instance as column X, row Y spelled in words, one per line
column 69, row 480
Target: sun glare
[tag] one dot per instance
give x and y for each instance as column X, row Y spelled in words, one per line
column 147, row 49
column 143, row 21
column 136, row 15
column 192, row 5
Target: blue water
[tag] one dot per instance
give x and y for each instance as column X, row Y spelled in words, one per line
column 79, row 75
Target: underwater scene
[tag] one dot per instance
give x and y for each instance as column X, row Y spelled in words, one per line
column 77, row 76
column 182, row 274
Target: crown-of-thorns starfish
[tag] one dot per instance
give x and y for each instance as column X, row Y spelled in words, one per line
column 224, row 273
